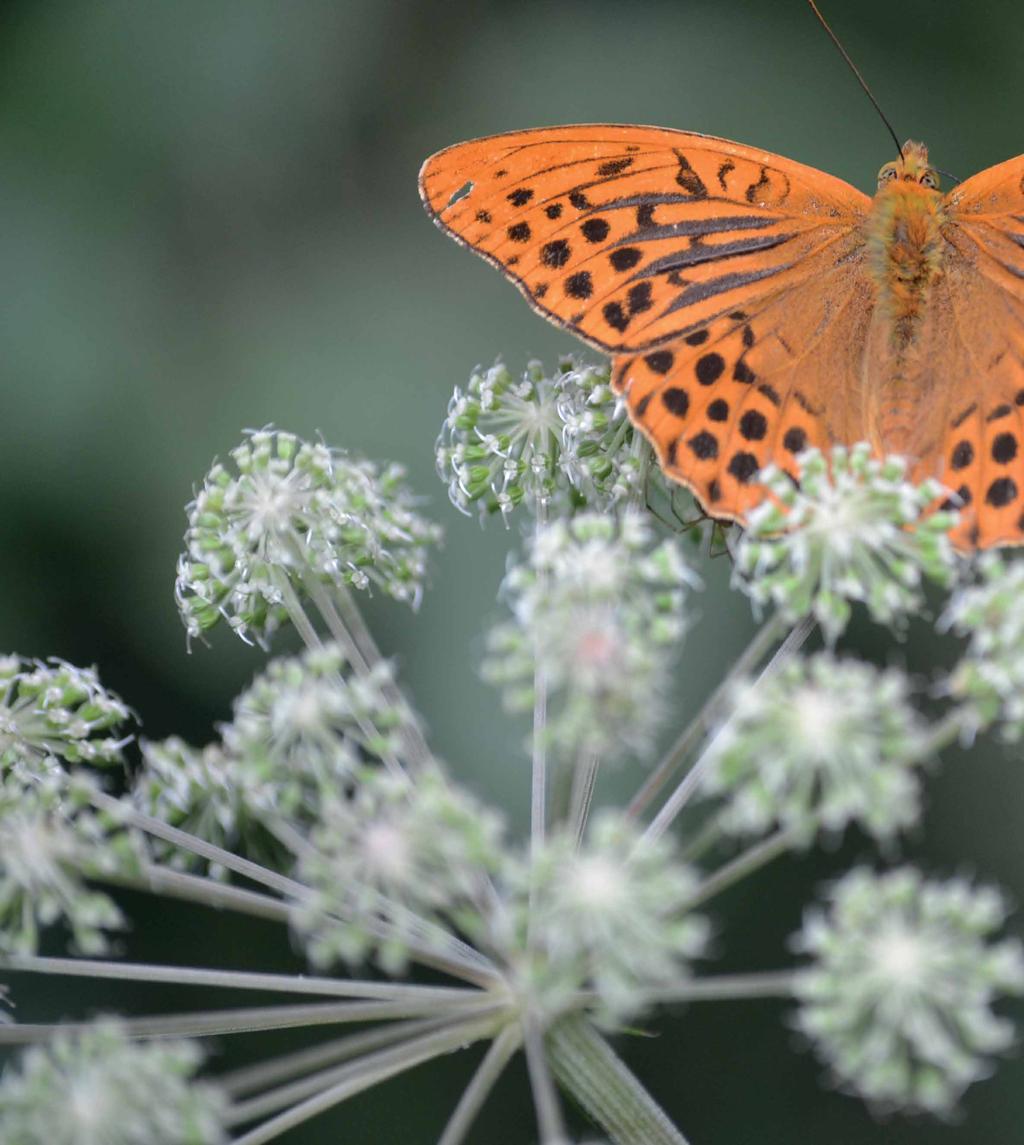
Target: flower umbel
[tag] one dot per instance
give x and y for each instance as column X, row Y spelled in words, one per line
column 989, row 680
column 100, row 1088
column 51, row 842
column 560, row 441
column 819, row 744
column 393, row 862
column 600, row 609
column 855, row 528
column 289, row 508
column 898, row 997
column 612, row 916
column 55, row 711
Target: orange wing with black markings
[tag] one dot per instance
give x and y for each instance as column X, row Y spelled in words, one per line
column 729, row 283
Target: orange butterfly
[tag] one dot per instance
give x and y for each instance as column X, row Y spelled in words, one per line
column 756, row 307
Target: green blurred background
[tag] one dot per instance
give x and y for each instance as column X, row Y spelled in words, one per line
column 209, row 220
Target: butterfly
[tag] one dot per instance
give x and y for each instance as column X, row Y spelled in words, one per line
column 755, row 307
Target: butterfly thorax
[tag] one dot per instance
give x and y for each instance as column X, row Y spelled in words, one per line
column 905, row 245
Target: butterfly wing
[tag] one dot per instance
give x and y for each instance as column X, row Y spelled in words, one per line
column 975, row 338
column 728, row 281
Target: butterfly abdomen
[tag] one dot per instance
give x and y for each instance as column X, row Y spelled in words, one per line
column 905, row 245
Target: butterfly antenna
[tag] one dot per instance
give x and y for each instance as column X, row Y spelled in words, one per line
column 853, row 68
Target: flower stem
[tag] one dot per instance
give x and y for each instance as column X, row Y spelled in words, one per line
column 688, row 785
column 767, row 636
column 545, row 1097
column 234, row 979
column 370, row 1071
column 584, row 779
column 744, row 864
column 596, row 1077
column 252, row 1019
column 726, row 988
column 476, row 1093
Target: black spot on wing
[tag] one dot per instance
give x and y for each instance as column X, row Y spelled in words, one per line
column 688, row 179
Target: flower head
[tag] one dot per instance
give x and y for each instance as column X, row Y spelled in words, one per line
column 56, row 712
column 612, row 916
column 100, row 1088
column 989, row 680
column 300, row 733
column 599, row 610
column 560, row 441
column 821, row 743
column 854, row 528
column 898, row 995
column 287, row 510
column 393, row 862
column 51, row 842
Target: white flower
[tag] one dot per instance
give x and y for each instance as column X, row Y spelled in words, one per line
column 853, row 529
column 899, row 992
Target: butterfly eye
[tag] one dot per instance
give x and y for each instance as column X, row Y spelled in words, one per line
column 929, row 179
column 887, row 173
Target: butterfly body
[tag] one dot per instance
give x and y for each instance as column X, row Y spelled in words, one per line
column 754, row 306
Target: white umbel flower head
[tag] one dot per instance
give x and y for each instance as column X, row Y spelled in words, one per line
column 898, row 996
column 560, row 441
column 300, row 733
column 853, row 529
column 51, row 843
column 100, row 1088
column 612, row 916
column 56, row 712
column 287, row 510
column 819, row 744
column 600, row 610
column 393, row 862
column 989, row 680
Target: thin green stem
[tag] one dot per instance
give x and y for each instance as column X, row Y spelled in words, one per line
column 259, row 1077
column 707, row 836
column 690, row 783
column 726, row 988
column 206, row 892
column 214, row 1023
column 545, row 1097
column 234, row 979
column 744, row 864
column 583, row 783
column 370, row 1071
column 476, row 1093
column 764, row 639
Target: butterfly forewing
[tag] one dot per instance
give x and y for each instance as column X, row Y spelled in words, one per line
column 701, row 263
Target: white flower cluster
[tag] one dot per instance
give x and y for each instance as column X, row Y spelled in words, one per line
column 299, row 734
column 989, row 680
column 560, row 441
column 55, row 712
column 819, row 744
column 100, row 1088
column 288, row 509
column 598, row 609
column 899, row 992
column 853, row 528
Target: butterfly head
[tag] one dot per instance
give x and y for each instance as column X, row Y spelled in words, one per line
column 911, row 167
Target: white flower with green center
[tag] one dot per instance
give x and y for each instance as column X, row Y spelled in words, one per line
column 100, row 1088
column 989, row 680
column 393, row 862
column 55, row 711
column 899, row 992
column 612, row 916
column 561, row 442
column 819, row 744
column 853, row 529
column 287, row 511
column 598, row 609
